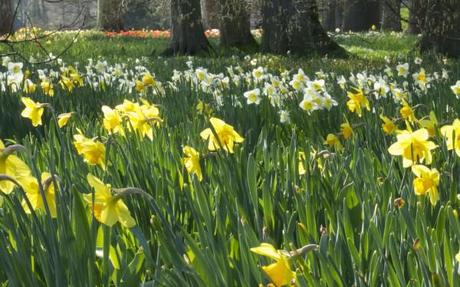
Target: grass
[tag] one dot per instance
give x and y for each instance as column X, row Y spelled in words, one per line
column 199, row 233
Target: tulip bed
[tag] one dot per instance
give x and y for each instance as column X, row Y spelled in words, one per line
column 231, row 170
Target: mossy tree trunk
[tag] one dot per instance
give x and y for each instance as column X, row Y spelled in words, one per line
column 210, row 11
column 235, row 26
column 441, row 29
column 6, row 16
column 360, row 15
column 293, row 25
column 187, row 30
column 391, row 15
column 110, row 15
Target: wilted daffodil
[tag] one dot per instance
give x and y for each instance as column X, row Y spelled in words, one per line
column 413, row 147
column 12, row 166
column 226, row 136
column 280, row 272
column 92, row 151
column 452, row 134
column 32, row 190
column 333, row 141
column 107, row 208
column 33, row 111
column 427, row 182
column 357, row 101
column 192, row 161
column 63, row 119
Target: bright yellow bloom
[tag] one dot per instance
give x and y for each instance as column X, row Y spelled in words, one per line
column 280, row 272
column 112, row 120
column 148, row 80
column 226, row 136
column 333, row 141
column 346, row 130
column 12, row 166
column 407, row 113
column 47, row 88
column 32, row 190
column 430, row 124
column 92, row 151
column 67, row 83
column 388, row 125
column 357, row 101
column 413, row 147
column 63, row 119
column 192, row 161
column 452, row 134
column 427, row 182
column 33, row 111
column 141, row 117
column 107, row 209
column 29, row 86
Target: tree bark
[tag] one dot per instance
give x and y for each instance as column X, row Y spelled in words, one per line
column 293, row 25
column 235, row 27
column 441, row 27
column 416, row 16
column 187, row 30
column 391, row 15
column 360, row 15
column 210, row 11
column 110, row 15
column 339, row 14
column 328, row 19
column 6, row 19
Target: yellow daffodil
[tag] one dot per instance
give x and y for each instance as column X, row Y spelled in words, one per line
column 112, row 120
column 413, row 147
column 32, row 190
column 430, row 124
column 388, row 125
column 226, row 136
column 63, row 119
column 427, row 182
column 333, row 141
column 280, row 272
column 407, row 113
column 142, row 117
column 346, row 130
column 47, row 88
column 33, row 111
column 107, row 209
column 67, row 83
column 29, row 86
column 92, row 151
column 12, row 166
column 192, row 161
column 148, row 80
column 456, row 89
column 357, row 101
column 452, row 134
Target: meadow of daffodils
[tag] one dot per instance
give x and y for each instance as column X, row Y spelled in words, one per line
column 251, row 171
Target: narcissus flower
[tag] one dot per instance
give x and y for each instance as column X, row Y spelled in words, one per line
column 357, row 101
column 403, row 69
column 427, row 182
column 226, row 136
column 63, row 119
column 407, row 113
column 388, row 125
column 452, row 134
column 33, row 111
column 413, row 147
column 333, row 141
column 456, row 89
column 107, row 209
column 346, row 130
column 192, row 161
column 92, row 151
column 112, row 120
column 47, row 88
column 253, row 97
column 32, row 190
column 280, row 272
column 430, row 124
column 12, row 166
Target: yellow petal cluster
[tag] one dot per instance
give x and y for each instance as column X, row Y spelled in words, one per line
column 225, row 136
column 280, row 272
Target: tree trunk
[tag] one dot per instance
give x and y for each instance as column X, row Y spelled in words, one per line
column 339, row 13
column 328, row 19
column 293, row 25
column 110, row 15
column 360, row 15
column 6, row 19
column 187, row 30
column 210, row 11
column 391, row 15
column 441, row 29
column 235, row 28
column 416, row 16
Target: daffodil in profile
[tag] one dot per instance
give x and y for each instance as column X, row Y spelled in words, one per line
column 92, row 150
column 346, row 131
column 414, row 147
column 32, row 191
column 107, row 208
column 225, row 136
column 11, row 166
column 112, row 120
column 452, row 134
column 357, row 101
column 426, row 182
column 32, row 111
column 333, row 141
column 63, row 119
column 192, row 161
column 388, row 126
column 280, row 272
